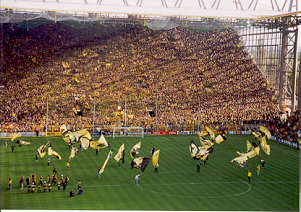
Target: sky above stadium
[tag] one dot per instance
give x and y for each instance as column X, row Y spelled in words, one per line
column 227, row 8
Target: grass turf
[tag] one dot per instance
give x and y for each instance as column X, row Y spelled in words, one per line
column 177, row 186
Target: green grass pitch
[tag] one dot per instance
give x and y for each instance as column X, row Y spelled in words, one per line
column 177, row 186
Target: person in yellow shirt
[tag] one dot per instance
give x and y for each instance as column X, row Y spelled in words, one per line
column 10, row 184
column 249, row 175
column 68, row 164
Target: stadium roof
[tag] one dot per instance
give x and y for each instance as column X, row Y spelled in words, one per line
column 188, row 9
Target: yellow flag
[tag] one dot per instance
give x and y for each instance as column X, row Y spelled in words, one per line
column 155, row 158
column 211, row 133
column 120, row 153
column 105, row 163
column 265, row 131
column 16, row 136
column 94, row 145
column 242, row 161
column 54, row 153
column 73, row 152
column 219, row 139
column 135, row 150
column 76, row 79
column 84, row 133
column 84, row 143
column 264, row 146
column 24, row 142
column 249, row 146
column 41, row 149
column 65, row 64
column 102, row 142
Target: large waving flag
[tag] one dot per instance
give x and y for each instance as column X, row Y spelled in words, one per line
column 120, row 154
column 194, row 150
column 155, row 158
column 252, row 150
column 135, row 150
column 84, row 137
column 198, row 153
column 73, row 153
column 84, row 143
column 102, row 169
column 18, row 135
column 54, row 153
column 264, row 146
column 67, row 135
column 220, row 139
column 41, row 149
column 100, row 144
column 20, row 142
column 84, row 133
column 242, row 161
column 140, row 163
column 201, row 134
column 211, row 133
column 265, row 131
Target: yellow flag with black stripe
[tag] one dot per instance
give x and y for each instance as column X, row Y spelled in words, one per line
column 54, row 153
column 135, row 150
column 41, row 149
column 120, row 154
column 140, row 163
column 155, row 158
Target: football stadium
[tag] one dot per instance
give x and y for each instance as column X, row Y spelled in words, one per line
column 150, row 105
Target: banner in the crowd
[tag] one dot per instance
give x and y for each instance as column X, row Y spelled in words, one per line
column 165, row 133
column 186, row 133
column 24, row 134
column 50, row 134
column 285, row 142
column 245, row 132
column 231, row 132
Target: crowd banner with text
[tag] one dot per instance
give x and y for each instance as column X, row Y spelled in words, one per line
column 165, row 133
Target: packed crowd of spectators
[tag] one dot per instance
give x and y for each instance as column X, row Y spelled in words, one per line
column 286, row 127
column 183, row 75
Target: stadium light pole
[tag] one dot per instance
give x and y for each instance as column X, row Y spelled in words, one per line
column 295, row 64
column 299, row 85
